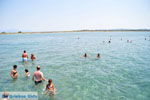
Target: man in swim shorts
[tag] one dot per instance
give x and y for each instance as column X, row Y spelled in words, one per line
column 24, row 56
column 38, row 76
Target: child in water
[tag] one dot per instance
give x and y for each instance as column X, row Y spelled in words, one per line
column 27, row 74
column 50, row 90
column 33, row 57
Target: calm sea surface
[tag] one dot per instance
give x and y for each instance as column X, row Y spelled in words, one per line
column 122, row 72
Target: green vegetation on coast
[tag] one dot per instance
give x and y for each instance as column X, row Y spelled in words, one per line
column 105, row 30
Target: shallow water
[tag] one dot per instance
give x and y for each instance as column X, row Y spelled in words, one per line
column 122, row 72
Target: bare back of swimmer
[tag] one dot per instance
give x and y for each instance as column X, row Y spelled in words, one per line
column 24, row 56
column 38, row 76
column 14, row 73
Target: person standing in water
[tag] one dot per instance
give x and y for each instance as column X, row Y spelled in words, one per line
column 98, row 55
column 14, row 73
column 24, row 56
column 27, row 74
column 85, row 55
column 50, row 88
column 33, row 57
column 38, row 76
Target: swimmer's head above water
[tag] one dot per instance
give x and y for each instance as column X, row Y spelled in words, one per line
column 38, row 67
column 26, row 70
column 15, row 67
column 50, row 81
column 24, row 51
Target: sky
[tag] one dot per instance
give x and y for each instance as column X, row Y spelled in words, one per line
column 58, row 15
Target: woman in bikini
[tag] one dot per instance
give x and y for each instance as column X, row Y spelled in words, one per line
column 14, row 73
column 50, row 88
column 33, row 57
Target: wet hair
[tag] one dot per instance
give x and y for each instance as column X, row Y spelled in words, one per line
column 38, row 67
column 15, row 66
column 26, row 70
column 24, row 51
column 50, row 81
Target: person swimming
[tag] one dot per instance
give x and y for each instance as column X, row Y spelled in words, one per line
column 98, row 55
column 50, row 88
column 109, row 41
column 33, row 57
column 27, row 74
column 24, row 56
column 14, row 73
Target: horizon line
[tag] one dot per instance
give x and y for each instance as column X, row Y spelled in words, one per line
column 83, row 30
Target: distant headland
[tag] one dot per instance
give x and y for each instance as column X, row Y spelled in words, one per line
column 102, row 30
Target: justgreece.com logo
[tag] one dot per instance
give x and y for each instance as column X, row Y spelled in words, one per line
column 18, row 96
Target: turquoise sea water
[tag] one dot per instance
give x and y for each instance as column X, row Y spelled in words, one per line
column 122, row 72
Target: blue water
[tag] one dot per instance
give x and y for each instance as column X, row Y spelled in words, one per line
column 122, row 72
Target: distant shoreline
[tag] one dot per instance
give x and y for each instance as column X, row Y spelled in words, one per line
column 138, row 30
